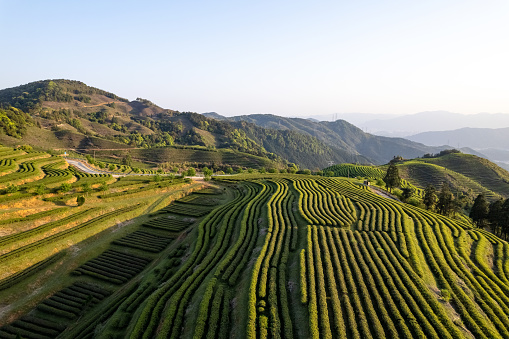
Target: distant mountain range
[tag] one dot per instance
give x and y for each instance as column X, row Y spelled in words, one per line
column 478, row 138
column 411, row 124
column 493, row 143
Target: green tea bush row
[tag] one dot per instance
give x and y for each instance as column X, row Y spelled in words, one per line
column 151, row 313
column 33, row 246
column 144, row 241
column 426, row 301
column 22, row 275
column 34, row 216
column 17, row 237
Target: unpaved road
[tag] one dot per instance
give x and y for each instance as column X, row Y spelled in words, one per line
column 85, row 167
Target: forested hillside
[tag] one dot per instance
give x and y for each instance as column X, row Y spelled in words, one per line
column 69, row 114
column 340, row 133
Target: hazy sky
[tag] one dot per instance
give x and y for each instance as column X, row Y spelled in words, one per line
column 281, row 57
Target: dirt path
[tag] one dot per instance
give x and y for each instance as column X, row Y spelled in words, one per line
column 85, row 167
column 104, row 103
column 382, row 193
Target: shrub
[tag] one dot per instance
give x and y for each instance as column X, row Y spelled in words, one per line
column 26, row 148
column 12, row 188
column 40, row 189
column 65, row 187
column 85, row 187
column 446, row 295
column 414, row 202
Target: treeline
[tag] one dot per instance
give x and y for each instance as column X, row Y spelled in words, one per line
column 441, row 153
column 494, row 215
column 444, row 202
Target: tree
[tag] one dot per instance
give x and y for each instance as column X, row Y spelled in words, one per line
column 229, row 170
column 262, row 170
column 157, row 178
column 392, row 178
column 127, row 160
column 504, row 219
column 445, row 200
column 80, row 200
column 495, row 215
column 207, row 172
column 407, row 193
column 479, row 211
column 430, row 197
column 103, row 187
column 191, row 172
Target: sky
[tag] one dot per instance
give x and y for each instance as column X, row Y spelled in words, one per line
column 290, row 58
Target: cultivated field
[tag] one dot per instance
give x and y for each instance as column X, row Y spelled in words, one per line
column 256, row 256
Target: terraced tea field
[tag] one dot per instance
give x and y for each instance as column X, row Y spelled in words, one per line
column 254, row 256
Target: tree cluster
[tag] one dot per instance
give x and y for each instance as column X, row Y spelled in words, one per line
column 495, row 214
column 441, row 153
column 14, row 122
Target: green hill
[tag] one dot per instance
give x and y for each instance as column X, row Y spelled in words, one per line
column 342, row 134
column 478, row 169
column 464, row 173
column 67, row 114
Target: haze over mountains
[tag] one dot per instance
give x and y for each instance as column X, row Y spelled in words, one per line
column 411, row 124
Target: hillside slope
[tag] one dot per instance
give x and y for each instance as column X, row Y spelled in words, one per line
column 66, row 111
column 344, row 135
column 467, row 174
